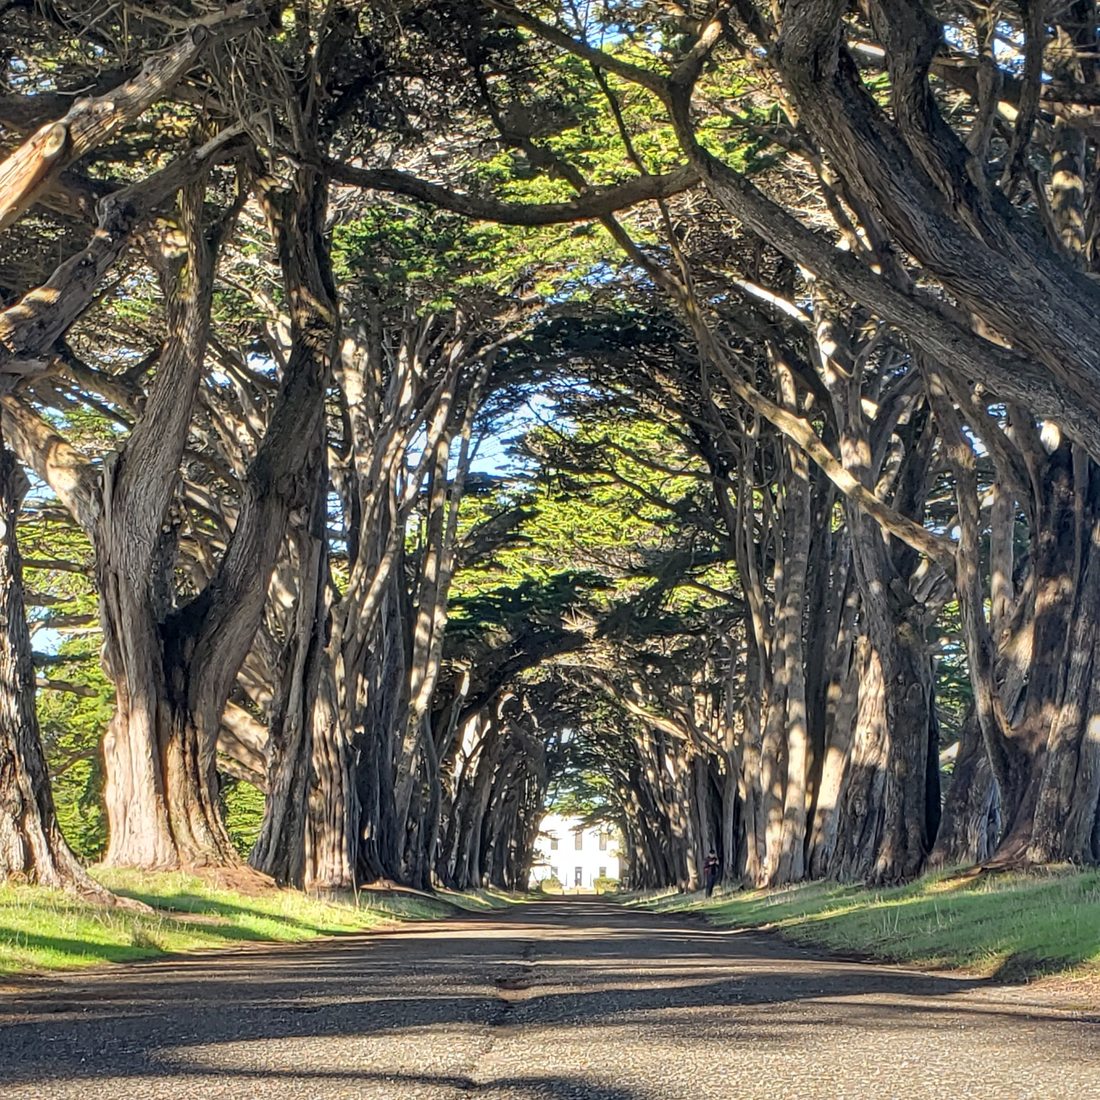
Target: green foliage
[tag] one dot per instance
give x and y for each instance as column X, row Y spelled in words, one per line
column 551, row 885
column 89, row 430
column 595, row 505
column 77, row 700
column 393, row 248
column 244, row 813
column 72, row 728
column 604, row 884
column 617, row 496
column 586, row 794
column 528, row 605
column 78, row 798
column 954, row 691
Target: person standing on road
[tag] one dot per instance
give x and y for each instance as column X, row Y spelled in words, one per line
column 710, row 871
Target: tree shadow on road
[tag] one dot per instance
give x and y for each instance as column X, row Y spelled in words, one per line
column 557, row 1087
column 663, row 976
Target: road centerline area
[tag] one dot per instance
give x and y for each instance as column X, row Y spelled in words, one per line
column 545, row 1001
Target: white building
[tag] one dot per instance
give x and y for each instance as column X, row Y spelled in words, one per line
column 574, row 854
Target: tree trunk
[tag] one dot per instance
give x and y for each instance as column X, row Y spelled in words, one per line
column 161, row 789
column 842, row 726
column 971, row 818
column 796, row 537
column 749, row 787
column 1067, row 811
column 731, row 806
column 376, row 719
column 335, row 823
column 174, row 668
column 281, row 848
column 886, row 831
column 1043, row 759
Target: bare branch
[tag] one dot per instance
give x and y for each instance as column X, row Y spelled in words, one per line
column 596, row 203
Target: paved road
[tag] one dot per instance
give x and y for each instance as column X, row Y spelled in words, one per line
column 548, row 1001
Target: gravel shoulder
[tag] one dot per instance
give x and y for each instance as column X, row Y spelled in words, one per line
column 545, row 1001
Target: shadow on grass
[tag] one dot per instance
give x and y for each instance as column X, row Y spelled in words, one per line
column 407, row 905
column 83, row 950
column 1010, row 928
column 51, row 930
column 196, row 905
column 147, row 939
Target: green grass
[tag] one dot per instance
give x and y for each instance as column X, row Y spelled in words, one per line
column 475, row 901
column 50, row 930
column 1007, row 926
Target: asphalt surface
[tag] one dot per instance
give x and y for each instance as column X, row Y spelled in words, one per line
column 547, row 1001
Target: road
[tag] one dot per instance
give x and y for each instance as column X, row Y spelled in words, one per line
column 546, row 1001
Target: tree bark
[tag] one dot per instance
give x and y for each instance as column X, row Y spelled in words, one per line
column 92, row 121
column 175, row 667
column 283, row 849
column 971, row 822
column 791, row 866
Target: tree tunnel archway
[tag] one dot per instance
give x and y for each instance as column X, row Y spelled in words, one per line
column 800, row 539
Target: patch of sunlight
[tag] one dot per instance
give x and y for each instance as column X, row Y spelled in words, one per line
column 42, row 929
column 1008, row 925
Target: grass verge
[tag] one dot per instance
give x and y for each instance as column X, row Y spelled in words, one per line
column 1010, row 926
column 50, row 930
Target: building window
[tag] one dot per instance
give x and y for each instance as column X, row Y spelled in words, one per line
column 578, row 876
column 578, row 839
column 603, row 872
column 553, row 844
column 603, row 842
column 554, row 873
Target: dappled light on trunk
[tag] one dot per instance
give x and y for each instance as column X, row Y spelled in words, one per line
column 682, row 419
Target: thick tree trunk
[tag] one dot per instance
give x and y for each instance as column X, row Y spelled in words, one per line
column 752, row 844
column 971, row 818
column 470, row 842
column 682, row 817
column 860, row 810
column 827, row 588
column 842, row 725
column 1067, row 810
column 1044, row 755
column 791, row 864
column 888, row 822
column 335, row 824
column 431, row 822
column 1032, row 666
column 469, row 734
column 310, row 814
column 174, row 668
column 161, row 790
column 890, row 789
column 161, row 793
column 730, row 811
column 502, row 804
column 773, row 765
column 383, row 679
